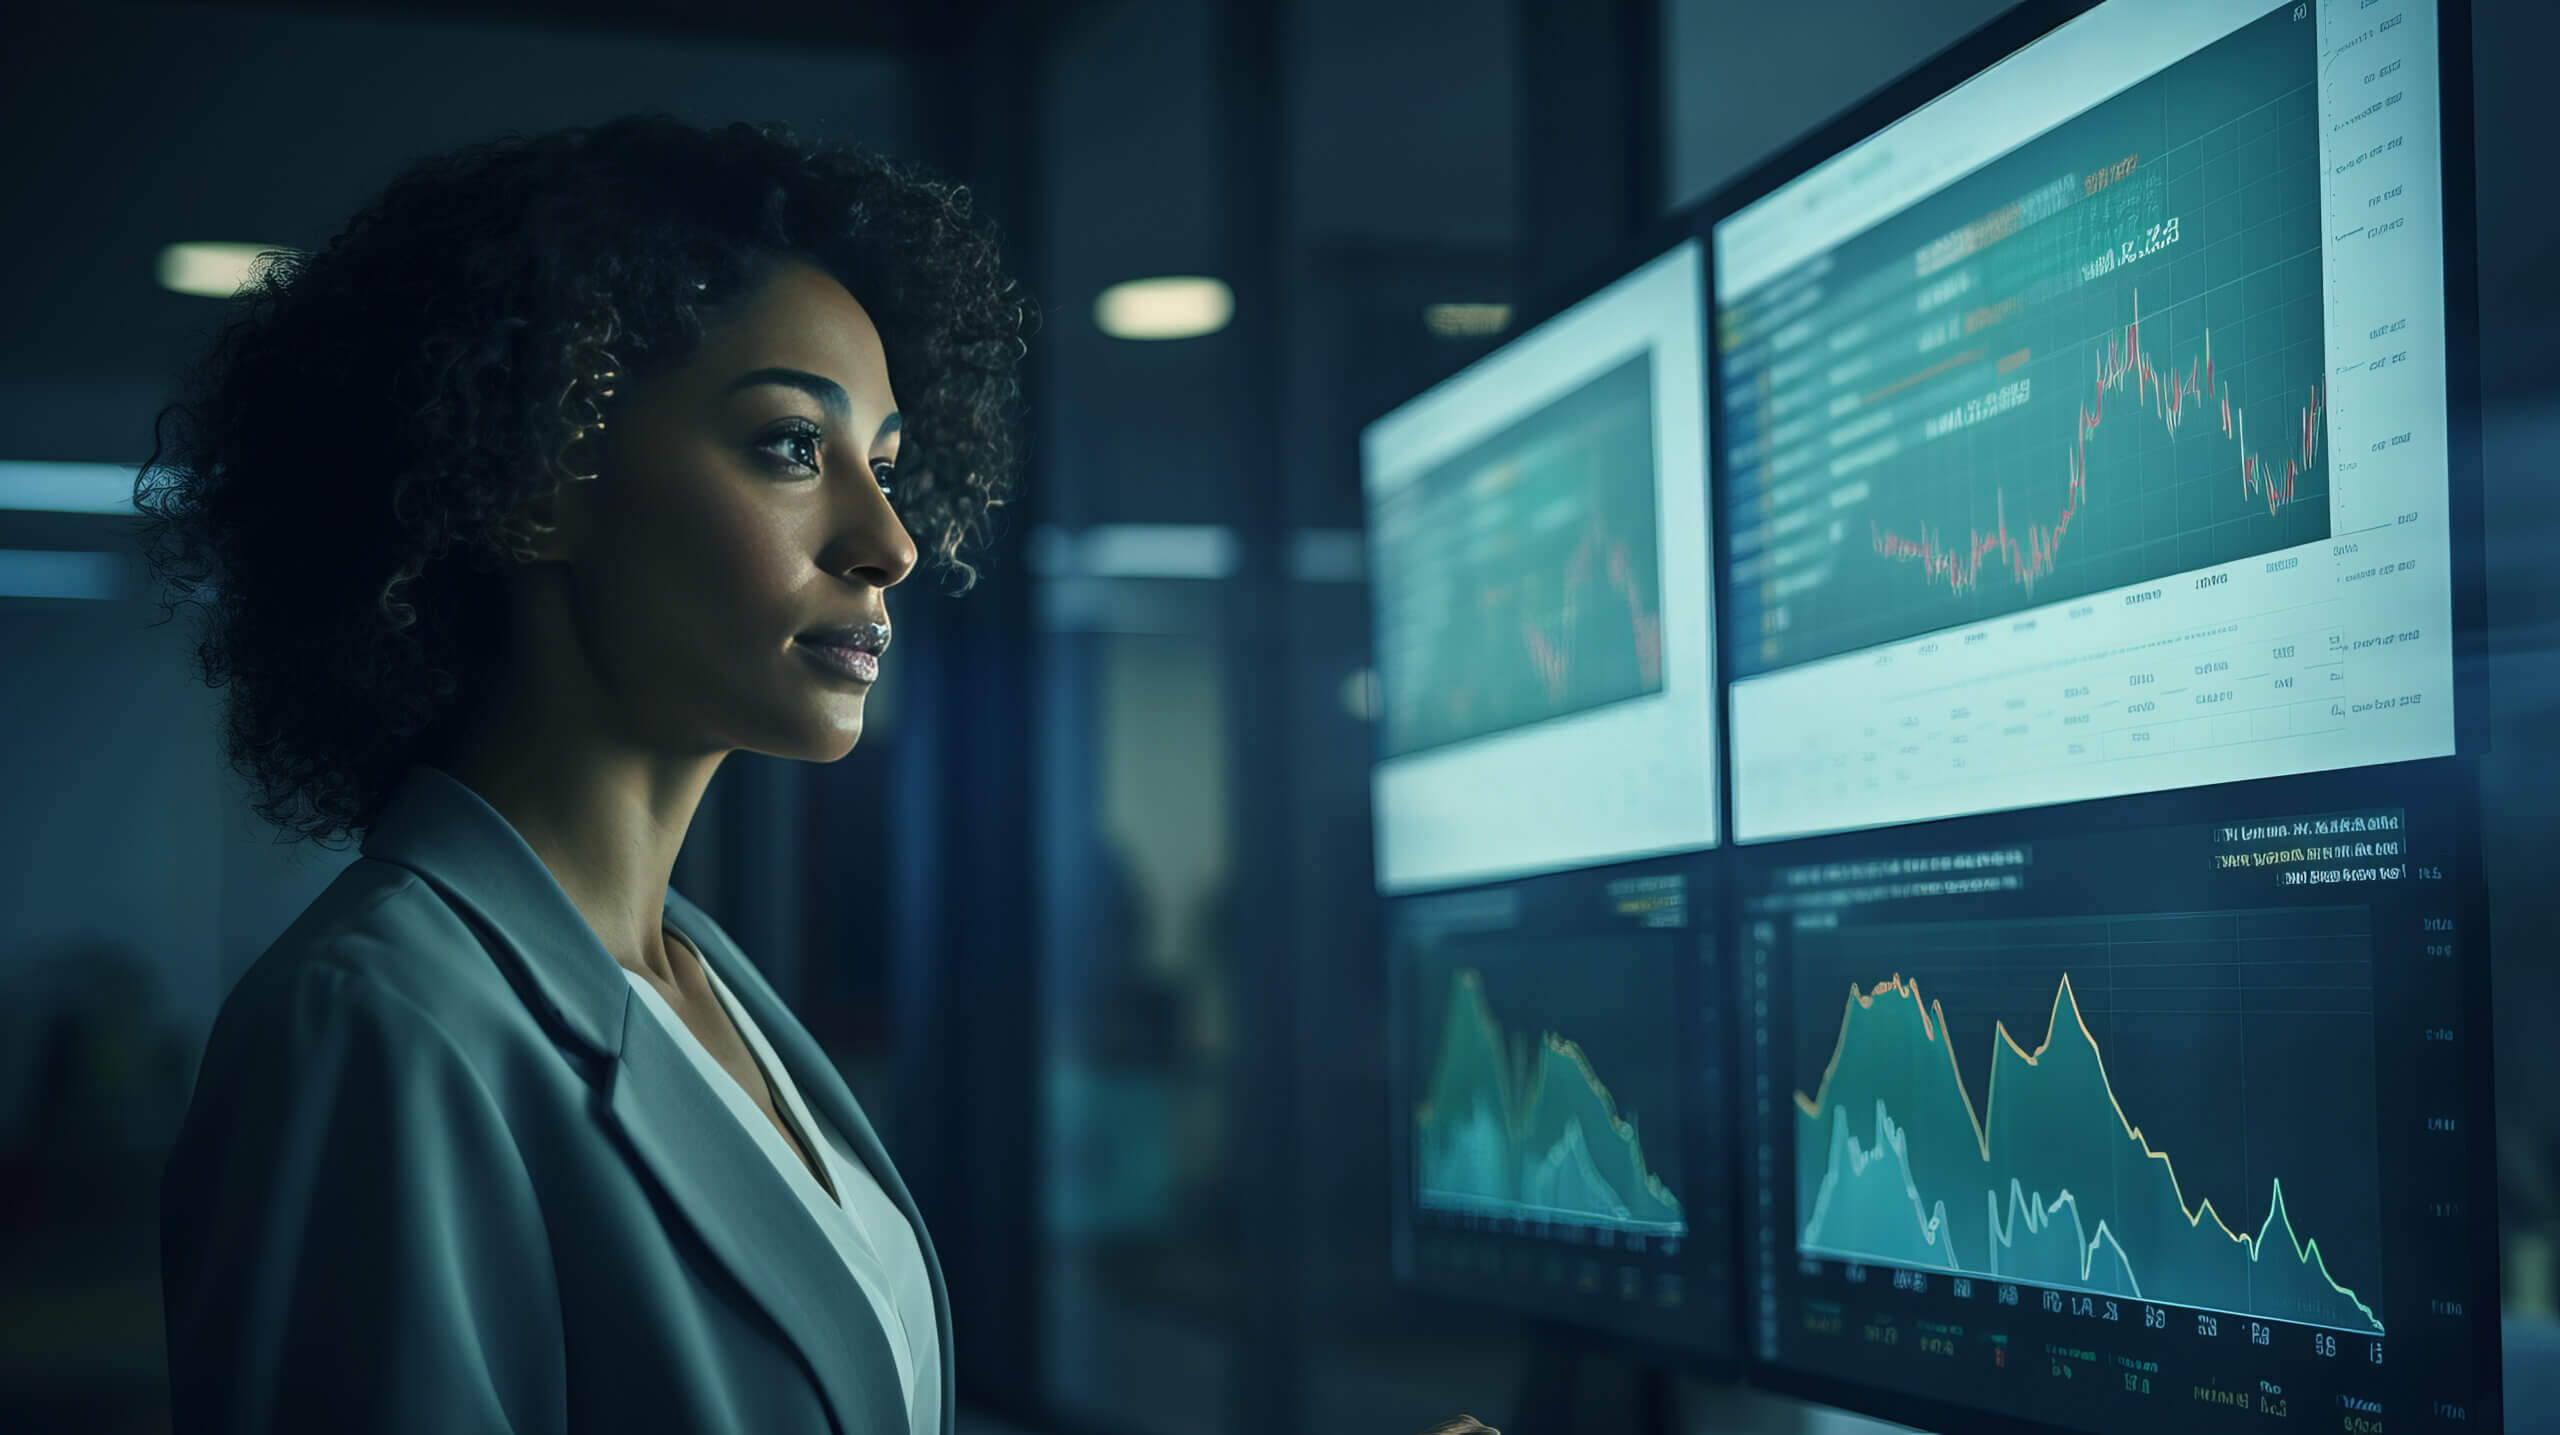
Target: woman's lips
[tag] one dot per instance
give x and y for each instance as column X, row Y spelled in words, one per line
column 849, row 662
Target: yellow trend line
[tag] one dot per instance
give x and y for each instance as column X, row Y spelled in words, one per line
column 1626, row 1131
column 1522, row 1089
column 1470, row 983
column 2063, row 996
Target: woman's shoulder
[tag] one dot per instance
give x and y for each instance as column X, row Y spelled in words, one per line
column 381, row 938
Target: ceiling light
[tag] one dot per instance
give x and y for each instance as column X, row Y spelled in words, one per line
column 215, row 271
column 67, row 487
column 1466, row 321
column 1179, row 306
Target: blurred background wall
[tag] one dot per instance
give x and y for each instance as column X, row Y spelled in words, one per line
column 1120, row 1013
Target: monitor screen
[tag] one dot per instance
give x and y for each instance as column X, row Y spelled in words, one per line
column 2085, row 429
column 1558, row 1153
column 2127, row 1120
column 1539, row 574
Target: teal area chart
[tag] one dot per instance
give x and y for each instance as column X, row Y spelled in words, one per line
column 2189, row 1120
column 1546, row 1141
column 1525, row 1121
column 2096, row 361
column 1522, row 579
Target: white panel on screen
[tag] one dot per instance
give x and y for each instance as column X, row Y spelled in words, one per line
column 1540, row 573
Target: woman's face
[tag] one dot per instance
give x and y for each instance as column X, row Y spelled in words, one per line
column 740, row 507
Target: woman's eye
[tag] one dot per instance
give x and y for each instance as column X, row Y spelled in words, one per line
column 880, row 474
column 809, row 437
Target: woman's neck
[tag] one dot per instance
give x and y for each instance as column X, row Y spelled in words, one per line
column 607, row 824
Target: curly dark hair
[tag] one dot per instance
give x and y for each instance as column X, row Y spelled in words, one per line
column 380, row 428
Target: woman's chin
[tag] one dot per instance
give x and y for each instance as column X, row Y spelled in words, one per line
column 830, row 742
column 842, row 743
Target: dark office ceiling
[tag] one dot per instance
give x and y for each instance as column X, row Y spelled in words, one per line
column 909, row 27
column 142, row 124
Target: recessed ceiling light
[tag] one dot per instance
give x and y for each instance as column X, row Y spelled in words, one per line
column 215, row 271
column 1177, row 306
column 1466, row 321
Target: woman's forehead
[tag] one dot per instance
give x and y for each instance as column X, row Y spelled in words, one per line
column 801, row 319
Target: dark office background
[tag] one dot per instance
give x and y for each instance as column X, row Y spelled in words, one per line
column 1111, row 986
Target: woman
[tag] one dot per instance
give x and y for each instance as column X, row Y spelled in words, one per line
column 574, row 464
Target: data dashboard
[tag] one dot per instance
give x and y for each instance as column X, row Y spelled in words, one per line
column 2071, row 1013
column 2127, row 1122
column 2085, row 431
column 1558, row 1153
column 1540, row 579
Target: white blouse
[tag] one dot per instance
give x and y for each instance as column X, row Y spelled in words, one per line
column 874, row 1239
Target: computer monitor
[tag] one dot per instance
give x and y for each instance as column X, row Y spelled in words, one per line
column 2090, row 416
column 1560, row 1151
column 2169, row 1113
column 1538, row 544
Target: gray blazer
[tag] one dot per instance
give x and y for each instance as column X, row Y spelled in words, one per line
column 441, row 1172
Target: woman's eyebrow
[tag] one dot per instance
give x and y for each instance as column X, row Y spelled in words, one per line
column 888, row 427
column 826, row 391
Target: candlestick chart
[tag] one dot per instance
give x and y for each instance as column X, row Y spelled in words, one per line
column 1533, row 1129
column 2030, row 550
column 2098, row 360
column 1521, row 580
column 2216, row 1152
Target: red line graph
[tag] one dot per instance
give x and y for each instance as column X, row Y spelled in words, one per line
column 1551, row 657
column 1599, row 559
column 2030, row 552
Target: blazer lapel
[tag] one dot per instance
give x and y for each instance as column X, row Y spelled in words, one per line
column 713, row 1171
column 823, row 1087
column 676, row 1127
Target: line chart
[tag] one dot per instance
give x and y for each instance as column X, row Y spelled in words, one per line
column 1522, row 579
column 1549, row 645
column 2052, row 1181
column 2031, row 552
column 1534, row 1134
column 2095, row 362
